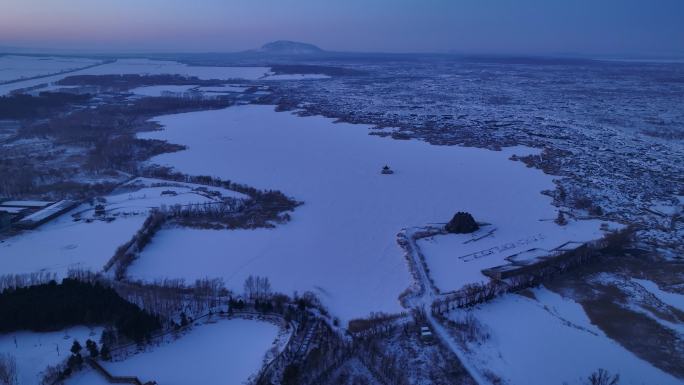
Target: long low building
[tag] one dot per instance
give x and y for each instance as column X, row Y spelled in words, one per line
column 12, row 210
column 27, row 204
column 46, row 214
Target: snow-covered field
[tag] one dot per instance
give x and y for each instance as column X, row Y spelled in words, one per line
column 528, row 232
column 341, row 243
column 63, row 244
column 157, row 67
column 296, row 77
column 159, row 90
column 90, row 242
column 35, row 351
column 222, row 89
column 150, row 67
column 550, row 340
column 225, row 352
column 14, row 67
column 672, row 299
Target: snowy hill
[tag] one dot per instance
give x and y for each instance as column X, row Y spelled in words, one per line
column 285, row 47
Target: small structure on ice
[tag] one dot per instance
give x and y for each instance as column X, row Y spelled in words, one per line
column 100, row 210
column 462, row 223
column 425, row 334
column 386, row 170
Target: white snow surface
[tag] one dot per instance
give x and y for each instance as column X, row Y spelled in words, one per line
column 296, row 77
column 12, row 210
column 87, row 377
column 225, row 352
column 457, row 259
column 552, row 341
column 673, row 299
column 223, row 89
column 15, row 67
column 35, row 351
column 341, row 243
column 62, row 244
column 149, row 67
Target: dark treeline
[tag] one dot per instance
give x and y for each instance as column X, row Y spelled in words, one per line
column 31, row 107
column 128, row 252
column 314, row 69
column 89, row 126
column 106, row 133
column 125, row 151
column 52, row 306
column 126, row 82
column 266, row 207
column 167, row 173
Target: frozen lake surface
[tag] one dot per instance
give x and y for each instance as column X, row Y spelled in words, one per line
column 142, row 67
column 341, row 244
column 15, row 67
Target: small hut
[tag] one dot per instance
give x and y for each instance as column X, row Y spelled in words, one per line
column 426, row 334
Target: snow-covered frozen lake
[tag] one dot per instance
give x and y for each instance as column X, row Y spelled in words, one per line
column 142, row 67
column 341, row 244
column 15, row 67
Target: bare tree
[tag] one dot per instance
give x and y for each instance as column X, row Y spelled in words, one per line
column 603, row 377
column 8, row 370
column 257, row 287
column 250, row 287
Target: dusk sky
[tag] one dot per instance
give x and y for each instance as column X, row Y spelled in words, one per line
column 469, row 26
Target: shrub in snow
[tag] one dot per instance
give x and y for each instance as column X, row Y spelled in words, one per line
column 462, row 223
column 560, row 219
column 603, row 377
column 386, row 170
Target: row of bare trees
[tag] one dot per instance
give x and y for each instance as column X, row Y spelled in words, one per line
column 257, row 288
column 15, row 281
column 169, row 297
column 167, row 173
column 165, row 297
column 129, row 251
